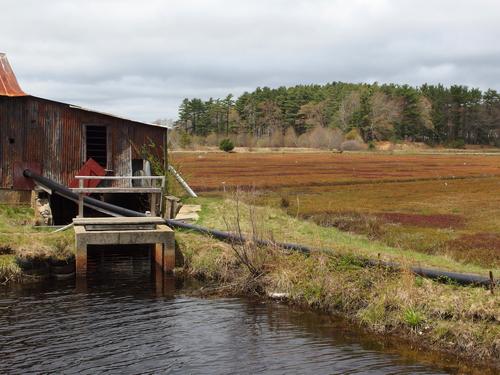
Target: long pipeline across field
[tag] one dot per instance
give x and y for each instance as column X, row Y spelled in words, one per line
column 441, row 275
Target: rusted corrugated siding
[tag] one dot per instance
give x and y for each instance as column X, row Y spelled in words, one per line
column 52, row 134
column 152, row 135
column 11, row 120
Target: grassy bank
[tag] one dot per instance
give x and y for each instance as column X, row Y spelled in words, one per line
column 19, row 238
column 460, row 320
column 278, row 225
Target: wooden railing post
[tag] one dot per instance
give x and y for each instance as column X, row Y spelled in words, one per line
column 80, row 199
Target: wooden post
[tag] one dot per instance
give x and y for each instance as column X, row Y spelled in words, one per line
column 80, row 199
column 153, row 204
column 169, row 256
column 158, row 254
column 81, row 257
column 80, row 205
column 492, row 282
column 165, row 186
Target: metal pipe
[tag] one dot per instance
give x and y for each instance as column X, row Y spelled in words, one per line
column 440, row 275
column 184, row 184
column 66, row 227
column 68, row 194
column 227, row 236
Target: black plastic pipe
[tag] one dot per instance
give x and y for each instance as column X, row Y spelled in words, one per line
column 227, row 236
column 63, row 191
column 440, row 275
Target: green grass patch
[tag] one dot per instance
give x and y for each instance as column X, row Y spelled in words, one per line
column 413, row 318
column 276, row 222
column 19, row 238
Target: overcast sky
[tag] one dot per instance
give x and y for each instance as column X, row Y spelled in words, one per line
column 141, row 58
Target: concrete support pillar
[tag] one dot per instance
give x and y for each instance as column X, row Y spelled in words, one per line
column 164, row 284
column 81, row 284
column 81, row 257
column 164, row 255
column 169, row 255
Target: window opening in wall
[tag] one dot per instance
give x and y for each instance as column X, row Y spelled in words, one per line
column 96, row 139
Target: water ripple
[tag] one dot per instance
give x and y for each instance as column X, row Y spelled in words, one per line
column 127, row 328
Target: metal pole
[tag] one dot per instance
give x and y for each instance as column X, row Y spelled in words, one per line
column 165, row 172
column 183, row 183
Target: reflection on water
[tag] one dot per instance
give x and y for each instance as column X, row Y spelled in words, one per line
column 130, row 320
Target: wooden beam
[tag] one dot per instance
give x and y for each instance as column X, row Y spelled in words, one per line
column 117, row 190
column 80, row 205
column 118, row 220
column 120, row 177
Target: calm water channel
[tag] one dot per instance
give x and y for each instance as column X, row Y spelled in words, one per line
column 129, row 320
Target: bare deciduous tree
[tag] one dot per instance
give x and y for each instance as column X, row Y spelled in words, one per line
column 348, row 106
column 385, row 112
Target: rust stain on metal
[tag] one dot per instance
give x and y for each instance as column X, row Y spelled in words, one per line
column 8, row 81
column 36, row 130
column 52, row 135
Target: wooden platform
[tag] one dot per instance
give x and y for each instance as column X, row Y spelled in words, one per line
column 189, row 213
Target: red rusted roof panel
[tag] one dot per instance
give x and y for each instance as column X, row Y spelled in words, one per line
column 8, row 80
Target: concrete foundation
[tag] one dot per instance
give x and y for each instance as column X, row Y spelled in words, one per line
column 124, row 231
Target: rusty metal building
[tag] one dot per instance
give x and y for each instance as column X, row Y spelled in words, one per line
column 55, row 139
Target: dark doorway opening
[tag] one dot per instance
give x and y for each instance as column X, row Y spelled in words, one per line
column 97, row 144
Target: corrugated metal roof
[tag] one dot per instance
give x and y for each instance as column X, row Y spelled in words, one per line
column 115, row 116
column 8, row 81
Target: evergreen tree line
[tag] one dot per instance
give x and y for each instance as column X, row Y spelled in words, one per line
column 434, row 114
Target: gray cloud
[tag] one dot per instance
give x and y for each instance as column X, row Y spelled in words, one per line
column 141, row 58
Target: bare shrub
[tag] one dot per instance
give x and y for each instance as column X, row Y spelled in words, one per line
column 246, row 140
column 243, row 222
column 174, row 142
column 263, row 142
column 303, row 141
column 197, row 141
column 324, row 138
column 290, row 139
column 318, row 137
column 385, row 112
column 353, row 146
column 276, row 139
column 241, row 140
column 348, row 107
column 336, row 138
column 212, row 139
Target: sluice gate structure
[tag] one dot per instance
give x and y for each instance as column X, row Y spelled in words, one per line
column 122, row 226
